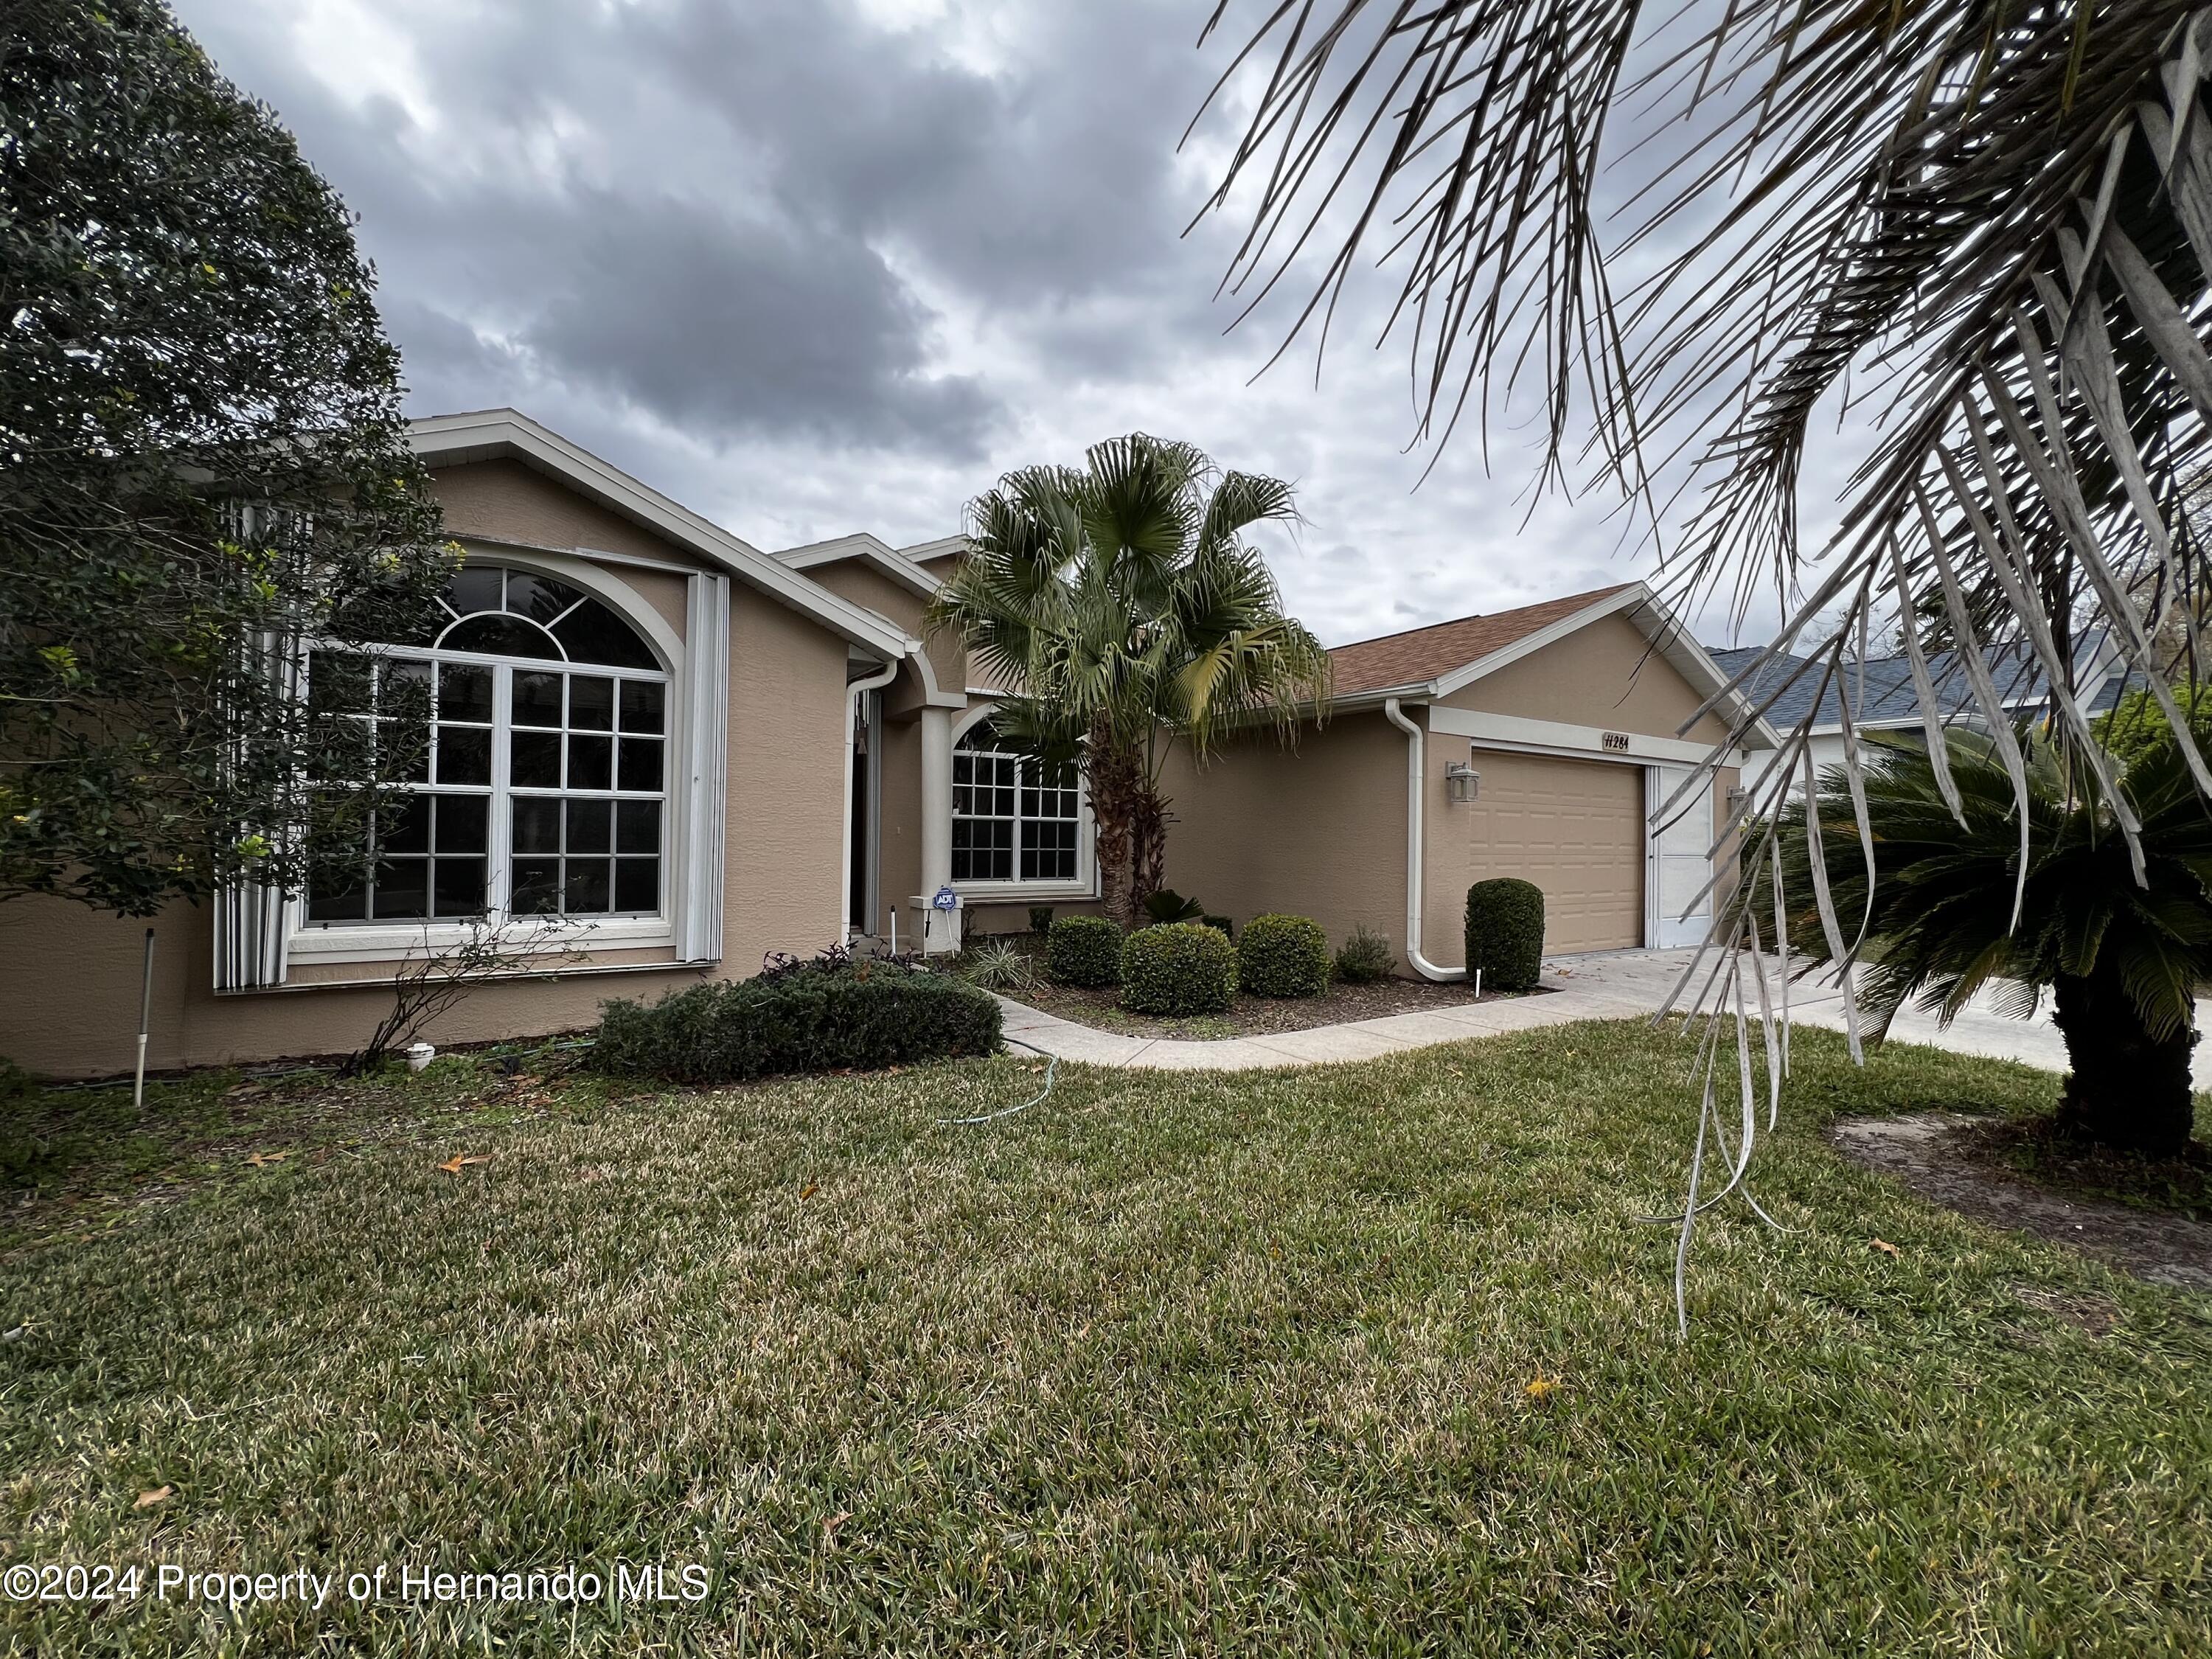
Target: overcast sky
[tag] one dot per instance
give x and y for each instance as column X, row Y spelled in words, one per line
column 816, row 266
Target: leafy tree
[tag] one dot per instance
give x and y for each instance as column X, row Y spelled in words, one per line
column 2135, row 725
column 2124, row 957
column 1123, row 607
column 202, row 459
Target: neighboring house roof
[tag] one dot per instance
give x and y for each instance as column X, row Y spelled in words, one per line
column 872, row 550
column 1889, row 698
column 1437, row 660
column 506, row 435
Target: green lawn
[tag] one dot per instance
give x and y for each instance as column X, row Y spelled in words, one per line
column 1214, row 1365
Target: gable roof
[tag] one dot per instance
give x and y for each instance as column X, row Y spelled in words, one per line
column 1437, row 660
column 508, row 434
column 1421, row 656
column 873, row 550
column 1890, row 699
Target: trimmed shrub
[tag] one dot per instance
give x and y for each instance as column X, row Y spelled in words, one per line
column 1084, row 950
column 1366, row 957
column 1283, row 957
column 1040, row 917
column 1177, row 968
column 823, row 1018
column 1221, row 925
column 1505, row 932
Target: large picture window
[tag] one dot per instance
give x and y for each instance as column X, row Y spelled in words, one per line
column 535, row 728
column 1014, row 816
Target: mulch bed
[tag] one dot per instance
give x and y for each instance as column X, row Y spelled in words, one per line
column 1249, row 1016
column 2149, row 1218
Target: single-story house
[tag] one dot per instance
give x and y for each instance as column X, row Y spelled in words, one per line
column 660, row 753
column 1539, row 742
column 1886, row 699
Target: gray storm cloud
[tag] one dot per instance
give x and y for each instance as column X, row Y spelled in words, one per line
column 812, row 267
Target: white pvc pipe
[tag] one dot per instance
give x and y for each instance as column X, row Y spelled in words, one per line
column 145, row 1019
column 1415, row 781
column 855, row 691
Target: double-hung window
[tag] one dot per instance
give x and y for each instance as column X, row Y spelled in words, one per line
column 534, row 722
column 1015, row 817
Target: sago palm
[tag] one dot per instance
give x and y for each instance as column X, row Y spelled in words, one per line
column 1123, row 610
column 2125, row 958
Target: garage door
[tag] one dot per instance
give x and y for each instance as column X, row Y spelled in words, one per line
column 1574, row 828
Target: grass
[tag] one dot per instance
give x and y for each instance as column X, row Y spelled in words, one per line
column 1370, row 1359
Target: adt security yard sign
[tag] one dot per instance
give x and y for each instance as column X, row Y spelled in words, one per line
column 944, row 926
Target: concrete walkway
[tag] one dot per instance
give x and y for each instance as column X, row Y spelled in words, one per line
column 1600, row 985
column 1360, row 1039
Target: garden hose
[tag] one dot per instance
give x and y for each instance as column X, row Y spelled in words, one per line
column 1052, row 1065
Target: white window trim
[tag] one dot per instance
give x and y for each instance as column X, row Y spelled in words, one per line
column 692, row 809
column 1013, row 890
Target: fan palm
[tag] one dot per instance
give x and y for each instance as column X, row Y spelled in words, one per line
column 2125, row 959
column 1121, row 608
column 1991, row 220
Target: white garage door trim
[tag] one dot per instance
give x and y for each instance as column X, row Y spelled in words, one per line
column 1678, row 861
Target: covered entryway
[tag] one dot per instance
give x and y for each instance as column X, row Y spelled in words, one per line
column 1574, row 828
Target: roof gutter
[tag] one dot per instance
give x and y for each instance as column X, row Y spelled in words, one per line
column 1414, row 777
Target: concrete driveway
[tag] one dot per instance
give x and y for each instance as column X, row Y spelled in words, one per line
column 1646, row 977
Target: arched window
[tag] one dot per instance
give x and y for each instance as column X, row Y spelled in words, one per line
column 1014, row 816
column 533, row 730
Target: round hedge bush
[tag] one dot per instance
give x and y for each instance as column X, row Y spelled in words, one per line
column 1083, row 950
column 1283, row 957
column 1505, row 932
column 1178, row 968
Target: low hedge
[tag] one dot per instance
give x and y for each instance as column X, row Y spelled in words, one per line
column 1283, row 957
column 1505, row 932
column 1178, row 968
column 1367, row 957
column 858, row 1015
column 1084, row 950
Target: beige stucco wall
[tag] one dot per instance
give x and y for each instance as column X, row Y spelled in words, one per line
column 786, row 827
column 864, row 584
column 514, row 502
column 1319, row 832
column 1604, row 675
column 69, row 978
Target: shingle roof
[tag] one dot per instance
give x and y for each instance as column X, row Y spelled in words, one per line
column 1889, row 695
column 1421, row 654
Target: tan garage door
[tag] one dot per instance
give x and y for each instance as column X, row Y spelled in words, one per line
column 1574, row 828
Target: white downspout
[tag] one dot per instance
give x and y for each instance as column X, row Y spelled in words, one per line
column 855, row 691
column 1414, row 782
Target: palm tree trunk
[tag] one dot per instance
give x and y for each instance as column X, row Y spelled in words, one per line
column 2128, row 1089
column 1116, row 783
column 1148, row 847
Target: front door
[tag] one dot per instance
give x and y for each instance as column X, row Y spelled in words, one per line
column 1679, row 859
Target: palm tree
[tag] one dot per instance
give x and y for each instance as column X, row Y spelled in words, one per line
column 2124, row 955
column 1121, row 608
column 1995, row 218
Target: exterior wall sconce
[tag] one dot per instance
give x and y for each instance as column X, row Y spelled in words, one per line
column 1462, row 783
